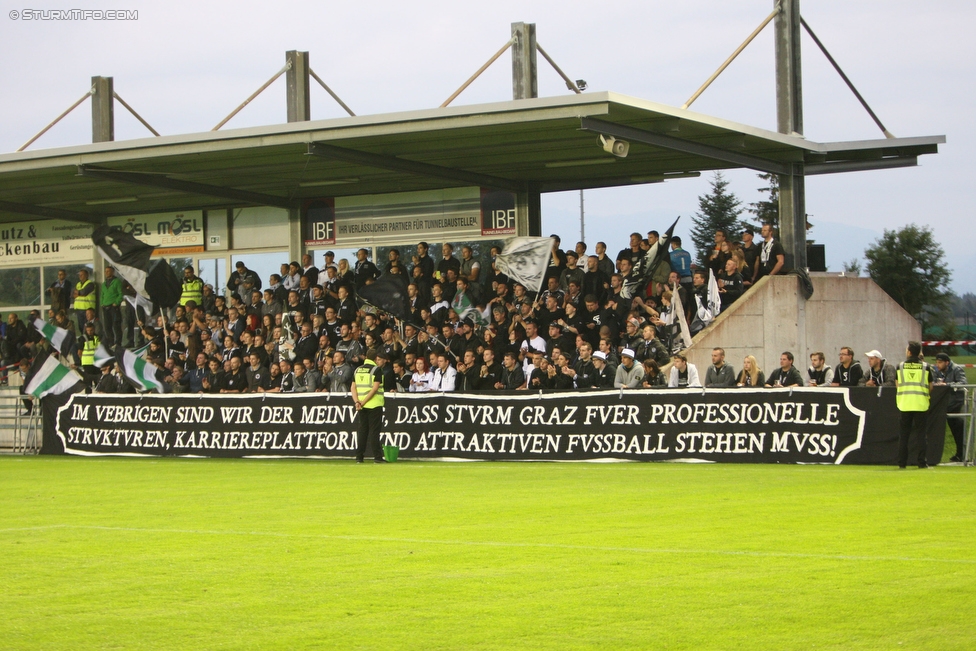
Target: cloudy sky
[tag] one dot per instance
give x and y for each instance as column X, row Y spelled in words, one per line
column 185, row 65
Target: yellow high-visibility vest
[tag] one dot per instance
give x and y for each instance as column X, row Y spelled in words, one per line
column 913, row 386
column 192, row 291
column 88, row 352
column 364, row 384
column 84, row 302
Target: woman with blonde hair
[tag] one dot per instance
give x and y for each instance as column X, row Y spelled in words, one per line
column 751, row 375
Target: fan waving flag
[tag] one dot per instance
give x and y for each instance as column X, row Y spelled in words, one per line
column 52, row 378
column 156, row 282
column 61, row 340
column 525, row 260
column 140, row 373
column 388, row 293
column 655, row 255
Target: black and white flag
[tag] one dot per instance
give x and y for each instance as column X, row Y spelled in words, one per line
column 389, row 294
column 525, row 260
column 154, row 281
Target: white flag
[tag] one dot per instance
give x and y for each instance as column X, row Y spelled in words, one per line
column 714, row 298
column 525, row 260
column 52, row 377
column 679, row 311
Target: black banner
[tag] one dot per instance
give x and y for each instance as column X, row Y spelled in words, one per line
column 756, row 426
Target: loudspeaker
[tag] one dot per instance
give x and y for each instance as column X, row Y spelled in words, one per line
column 816, row 257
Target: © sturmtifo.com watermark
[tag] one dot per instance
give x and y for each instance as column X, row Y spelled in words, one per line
column 74, row 14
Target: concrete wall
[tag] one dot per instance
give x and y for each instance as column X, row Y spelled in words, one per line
column 773, row 317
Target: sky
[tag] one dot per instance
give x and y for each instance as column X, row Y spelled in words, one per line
column 185, row 65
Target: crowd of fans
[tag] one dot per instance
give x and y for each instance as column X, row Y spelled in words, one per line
column 599, row 322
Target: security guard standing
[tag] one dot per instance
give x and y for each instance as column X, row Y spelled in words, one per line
column 914, row 386
column 192, row 288
column 85, row 298
column 90, row 343
column 367, row 393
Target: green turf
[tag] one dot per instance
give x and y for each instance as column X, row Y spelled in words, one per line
column 214, row 554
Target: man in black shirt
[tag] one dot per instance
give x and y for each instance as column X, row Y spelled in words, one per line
column 257, row 375
column 365, row 270
column 448, row 262
column 751, row 253
column 772, row 258
column 786, row 375
column 235, row 381
column 490, row 372
column 633, row 252
column 848, row 373
column 512, row 376
column 426, row 264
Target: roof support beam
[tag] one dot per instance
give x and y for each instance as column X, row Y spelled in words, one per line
column 684, row 146
column 397, row 164
column 50, row 213
column 860, row 165
column 190, row 187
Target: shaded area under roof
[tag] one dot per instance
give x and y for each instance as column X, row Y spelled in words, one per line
column 545, row 145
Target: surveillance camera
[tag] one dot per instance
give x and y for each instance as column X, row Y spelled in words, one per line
column 611, row 145
column 581, row 84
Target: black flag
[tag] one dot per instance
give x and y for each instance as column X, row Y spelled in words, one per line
column 658, row 251
column 388, row 293
column 156, row 282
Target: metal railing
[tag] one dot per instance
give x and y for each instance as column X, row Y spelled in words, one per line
column 20, row 426
column 968, row 415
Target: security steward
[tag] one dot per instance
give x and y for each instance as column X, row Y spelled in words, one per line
column 90, row 343
column 192, row 288
column 914, row 386
column 85, row 298
column 367, row 393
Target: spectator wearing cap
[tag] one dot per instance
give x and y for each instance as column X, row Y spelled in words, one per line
column 683, row 374
column 948, row 373
column 719, row 374
column 880, row 373
column 631, row 338
column 629, row 374
column 604, row 376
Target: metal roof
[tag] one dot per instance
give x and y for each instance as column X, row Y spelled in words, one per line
column 545, row 144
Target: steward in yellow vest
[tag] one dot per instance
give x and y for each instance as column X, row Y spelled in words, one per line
column 84, row 298
column 192, row 288
column 367, row 394
column 914, row 386
column 91, row 342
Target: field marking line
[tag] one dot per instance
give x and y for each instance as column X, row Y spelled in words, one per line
column 513, row 545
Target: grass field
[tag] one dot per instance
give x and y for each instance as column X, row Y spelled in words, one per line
column 214, row 554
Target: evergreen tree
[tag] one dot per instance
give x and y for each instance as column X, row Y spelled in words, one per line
column 911, row 267
column 766, row 211
column 719, row 209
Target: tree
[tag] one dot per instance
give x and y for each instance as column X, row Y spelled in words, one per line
column 853, row 267
column 766, row 211
column 719, row 209
column 910, row 266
